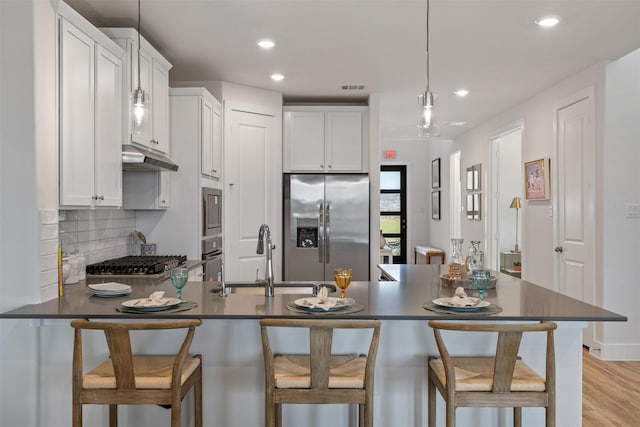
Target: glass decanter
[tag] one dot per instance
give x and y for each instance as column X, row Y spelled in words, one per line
column 457, row 268
column 471, row 262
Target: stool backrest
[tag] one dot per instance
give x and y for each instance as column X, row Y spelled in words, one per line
column 507, row 347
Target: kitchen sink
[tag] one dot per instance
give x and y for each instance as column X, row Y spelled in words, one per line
column 254, row 288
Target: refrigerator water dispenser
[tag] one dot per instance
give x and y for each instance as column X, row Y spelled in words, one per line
column 307, row 232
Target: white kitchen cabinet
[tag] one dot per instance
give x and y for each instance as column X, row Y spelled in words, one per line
column 211, row 145
column 325, row 139
column 153, row 132
column 90, row 119
column 147, row 190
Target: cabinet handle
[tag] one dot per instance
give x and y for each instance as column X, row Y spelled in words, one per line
column 321, row 166
column 559, row 249
column 101, row 198
column 94, row 197
column 329, row 166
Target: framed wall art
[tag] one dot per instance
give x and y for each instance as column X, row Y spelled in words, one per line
column 435, row 173
column 470, row 178
column 435, row 204
column 537, row 179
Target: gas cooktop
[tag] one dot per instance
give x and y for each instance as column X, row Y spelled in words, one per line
column 148, row 266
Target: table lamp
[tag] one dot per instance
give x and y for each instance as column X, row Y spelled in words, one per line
column 515, row 204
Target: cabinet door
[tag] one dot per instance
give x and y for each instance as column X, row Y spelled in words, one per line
column 217, row 142
column 304, row 141
column 344, row 141
column 206, row 158
column 164, row 190
column 108, row 128
column 76, row 116
column 160, row 108
column 142, row 132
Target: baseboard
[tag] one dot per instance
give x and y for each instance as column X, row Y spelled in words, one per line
column 620, row 352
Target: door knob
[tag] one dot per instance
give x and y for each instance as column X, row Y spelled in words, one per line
column 558, row 249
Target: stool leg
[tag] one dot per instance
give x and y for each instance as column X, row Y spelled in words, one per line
column 198, row 397
column 517, row 417
column 431, row 406
column 113, row 415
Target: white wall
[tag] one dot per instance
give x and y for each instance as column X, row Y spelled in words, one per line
column 27, row 126
column 620, row 236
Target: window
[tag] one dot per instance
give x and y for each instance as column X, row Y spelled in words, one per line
column 393, row 210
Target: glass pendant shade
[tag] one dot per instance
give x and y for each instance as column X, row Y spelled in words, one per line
column 426, row 119
column 139, row 106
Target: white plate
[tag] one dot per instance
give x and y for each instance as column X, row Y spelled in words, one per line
column 163, row 304
column 340, row 304
column 444, row 302
column 110, row 287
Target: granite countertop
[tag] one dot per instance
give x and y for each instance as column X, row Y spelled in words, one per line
column 392, row 300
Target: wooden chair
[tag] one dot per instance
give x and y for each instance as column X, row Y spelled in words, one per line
column 503, row 380
column 320, row 376
column 135, row 379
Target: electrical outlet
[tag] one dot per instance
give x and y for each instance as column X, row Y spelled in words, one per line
column 632, row 210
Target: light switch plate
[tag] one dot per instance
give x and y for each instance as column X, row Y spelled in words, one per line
column 632, row 210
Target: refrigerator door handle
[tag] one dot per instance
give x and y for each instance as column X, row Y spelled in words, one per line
column 321, row 233
column 327, row 233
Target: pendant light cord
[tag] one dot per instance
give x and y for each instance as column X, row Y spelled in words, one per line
column 427, row 53
column 139, row 44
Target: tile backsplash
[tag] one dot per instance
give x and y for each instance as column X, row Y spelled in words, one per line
column 98, row 234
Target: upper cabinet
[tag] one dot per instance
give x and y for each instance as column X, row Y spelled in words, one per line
column 153, row 132
column 90, row 114
column 211, row 150
column 325, row 139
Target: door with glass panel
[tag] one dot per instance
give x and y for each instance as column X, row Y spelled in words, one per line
column 393, row 210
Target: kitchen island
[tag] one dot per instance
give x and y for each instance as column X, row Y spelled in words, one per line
column 230, row 343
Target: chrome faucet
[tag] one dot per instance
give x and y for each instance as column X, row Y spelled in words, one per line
column 268, row 269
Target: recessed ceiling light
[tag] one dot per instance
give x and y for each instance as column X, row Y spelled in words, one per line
column 461, row 92
column 457, row 123
column 266, row 44
column 547, row 21
column 277, row 77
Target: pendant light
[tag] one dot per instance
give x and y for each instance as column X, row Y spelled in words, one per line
column 139, row 97
column 426, row 123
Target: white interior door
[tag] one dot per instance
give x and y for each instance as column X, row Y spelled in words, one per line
column 575, row 201
column 252, row 193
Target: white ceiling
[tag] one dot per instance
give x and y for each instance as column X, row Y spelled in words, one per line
column 490, row 47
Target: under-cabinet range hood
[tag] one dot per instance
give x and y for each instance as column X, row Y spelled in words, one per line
column 139, row 159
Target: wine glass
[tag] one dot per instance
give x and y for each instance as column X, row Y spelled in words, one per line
column 342, row 276
column 480, row 278
column 179, row 277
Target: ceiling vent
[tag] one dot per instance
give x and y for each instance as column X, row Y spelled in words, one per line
column 353, row 87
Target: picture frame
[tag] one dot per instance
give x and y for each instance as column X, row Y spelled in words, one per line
column 435, row 204
column 435, row 173
column 469, row 206
column 477, row 206
column 477, row 168
column 537, row 179
column 470, row 178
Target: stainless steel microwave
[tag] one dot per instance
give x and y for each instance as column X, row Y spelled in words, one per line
column 211, row 211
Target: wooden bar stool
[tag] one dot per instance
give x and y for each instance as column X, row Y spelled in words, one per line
column 127, row 379
column 503, row 380
column 320, row 376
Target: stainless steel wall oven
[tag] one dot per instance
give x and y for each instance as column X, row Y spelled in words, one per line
column 212, row 234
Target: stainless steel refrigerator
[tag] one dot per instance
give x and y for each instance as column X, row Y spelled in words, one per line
column 326, row 226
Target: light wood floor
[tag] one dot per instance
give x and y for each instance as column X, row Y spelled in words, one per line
column 611, row 393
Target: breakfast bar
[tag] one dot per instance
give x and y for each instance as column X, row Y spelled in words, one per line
column 229, row 341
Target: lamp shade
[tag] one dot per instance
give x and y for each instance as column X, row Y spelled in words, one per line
column 515, row 203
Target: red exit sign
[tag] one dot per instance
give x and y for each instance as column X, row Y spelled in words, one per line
column 389, row 154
